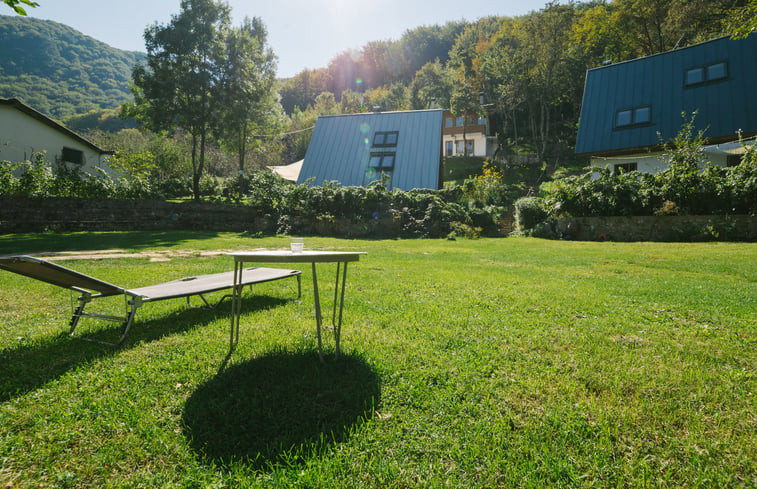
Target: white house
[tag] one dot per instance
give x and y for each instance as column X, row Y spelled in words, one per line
column 472, row 131
column 24, row 132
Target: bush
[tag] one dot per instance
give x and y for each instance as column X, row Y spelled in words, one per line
column 529, row 211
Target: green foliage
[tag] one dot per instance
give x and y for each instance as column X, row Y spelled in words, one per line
column 15, row 5
column 60, row 71
column 529, row 211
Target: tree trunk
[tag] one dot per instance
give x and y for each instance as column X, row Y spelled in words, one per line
column 195, row 178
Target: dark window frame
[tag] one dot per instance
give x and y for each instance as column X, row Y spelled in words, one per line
column 72, row 155
column 382, row 155
column 625, row 167
column 707, row 78
column 381, row 139
column 634, row 117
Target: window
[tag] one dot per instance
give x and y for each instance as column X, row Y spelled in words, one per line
column 481, row 120
column 71, row 155
column 708, row 73
column 732, row 160
column 459, row 122
column 385, row 139
column 624, row 167
column 459, row 147
column 448, row 148
column 472, row 120
column 633, row 117
column 449, row 122
column 380, row 164
column 470, row 147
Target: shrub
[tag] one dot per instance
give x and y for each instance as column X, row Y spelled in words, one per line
column 529, row 211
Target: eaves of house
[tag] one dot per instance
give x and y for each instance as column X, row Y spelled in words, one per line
column 637, row 105
column 25, row 109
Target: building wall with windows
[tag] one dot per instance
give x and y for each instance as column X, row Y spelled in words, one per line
column 630, row 109
column 25, row 132
column 476, row 140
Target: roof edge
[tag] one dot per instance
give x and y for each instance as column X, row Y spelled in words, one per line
column 19, row 105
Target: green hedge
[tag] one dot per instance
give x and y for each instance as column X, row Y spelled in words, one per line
column 328, row 209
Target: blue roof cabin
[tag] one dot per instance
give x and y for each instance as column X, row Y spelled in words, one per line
column 629, row 107
column 356, row 149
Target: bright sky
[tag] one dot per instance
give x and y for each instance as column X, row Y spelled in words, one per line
column 302, row 33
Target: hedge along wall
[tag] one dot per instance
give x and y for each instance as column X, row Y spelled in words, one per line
column 63, row 214
column 659, row 228
column 21, row 214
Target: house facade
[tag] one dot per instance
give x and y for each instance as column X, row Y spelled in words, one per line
column 404, row 148
column 467, row 136
column 25, row 132
column 631, row 109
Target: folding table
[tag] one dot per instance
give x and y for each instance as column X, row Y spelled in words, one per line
column 341, row 258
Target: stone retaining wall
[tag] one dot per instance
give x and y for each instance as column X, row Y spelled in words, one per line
column 60, row 214
column 659, row 228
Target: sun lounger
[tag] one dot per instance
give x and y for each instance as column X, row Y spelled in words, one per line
column 90, row 288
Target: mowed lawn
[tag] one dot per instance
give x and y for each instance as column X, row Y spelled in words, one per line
column 469, row 363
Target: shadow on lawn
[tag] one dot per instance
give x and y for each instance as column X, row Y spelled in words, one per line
column 281, row 408
column 30, row 366
column 38, row 242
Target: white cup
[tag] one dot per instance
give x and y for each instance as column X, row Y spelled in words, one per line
column 297, row 245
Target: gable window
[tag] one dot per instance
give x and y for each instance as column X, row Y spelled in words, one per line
column 704, row 74
column 624, row 167
column 633, row 117
column 385, row 139
column 71, row 155
column 378, row 165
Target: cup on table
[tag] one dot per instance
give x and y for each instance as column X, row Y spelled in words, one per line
column 297, row 245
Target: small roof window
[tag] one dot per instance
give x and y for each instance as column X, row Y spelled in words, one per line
column 385, row 139
column 635, row 116
column 705, row 74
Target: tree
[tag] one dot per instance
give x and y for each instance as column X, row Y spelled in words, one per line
column 431, row 83
column 246, row 86
column 180, row 85
column 15, row 5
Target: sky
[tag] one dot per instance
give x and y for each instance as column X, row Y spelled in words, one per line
column 302, row 33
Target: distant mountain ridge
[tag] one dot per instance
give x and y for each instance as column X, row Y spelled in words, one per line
column 58, row 70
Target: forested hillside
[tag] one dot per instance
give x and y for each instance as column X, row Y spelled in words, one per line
column 60, row 71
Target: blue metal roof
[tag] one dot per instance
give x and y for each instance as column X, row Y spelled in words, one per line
column 725, row 105
column 341, row 148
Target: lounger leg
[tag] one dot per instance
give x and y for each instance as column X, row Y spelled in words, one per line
column 135, row 303
column 84, row 299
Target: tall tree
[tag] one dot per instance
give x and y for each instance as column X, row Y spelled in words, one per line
column 248, row 73
column 179, row 87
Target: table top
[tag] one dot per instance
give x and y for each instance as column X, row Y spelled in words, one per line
column 288, row 256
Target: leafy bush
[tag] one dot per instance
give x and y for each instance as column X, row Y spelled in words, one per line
column 529, row 211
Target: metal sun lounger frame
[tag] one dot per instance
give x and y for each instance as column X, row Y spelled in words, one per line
column 90, row 288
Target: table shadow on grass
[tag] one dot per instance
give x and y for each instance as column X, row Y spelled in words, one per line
column 279, row 409
column 32, row 364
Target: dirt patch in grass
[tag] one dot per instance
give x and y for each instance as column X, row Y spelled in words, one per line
column 162, row 255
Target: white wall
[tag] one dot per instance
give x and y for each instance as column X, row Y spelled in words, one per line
column 655, row 162
column 479, row 143
column 22, row 135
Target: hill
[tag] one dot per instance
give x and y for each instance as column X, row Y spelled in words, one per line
column 60, row 71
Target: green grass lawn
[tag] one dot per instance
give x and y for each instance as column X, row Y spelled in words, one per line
column 469, row 363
